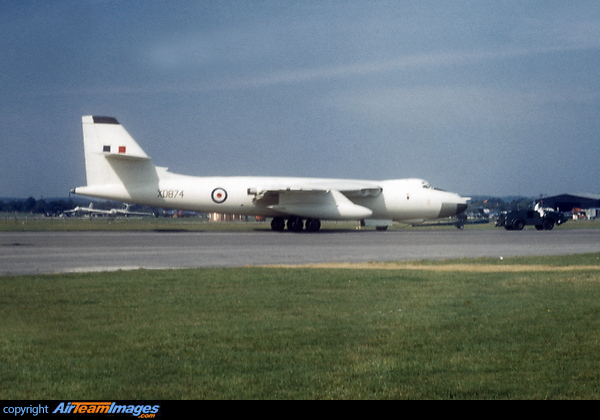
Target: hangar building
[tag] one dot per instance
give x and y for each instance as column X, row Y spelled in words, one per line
column 570, row 202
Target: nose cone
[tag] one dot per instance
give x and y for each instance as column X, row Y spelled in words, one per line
column 452, row 206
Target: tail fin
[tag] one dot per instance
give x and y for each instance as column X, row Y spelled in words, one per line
column 115, row 165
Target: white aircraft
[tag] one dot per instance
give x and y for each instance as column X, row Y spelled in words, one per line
column 90, row 210
column 118, row 169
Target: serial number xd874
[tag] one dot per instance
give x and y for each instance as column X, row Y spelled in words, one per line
column 170, row 194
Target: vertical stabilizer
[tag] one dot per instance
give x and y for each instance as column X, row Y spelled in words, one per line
column 113, row 160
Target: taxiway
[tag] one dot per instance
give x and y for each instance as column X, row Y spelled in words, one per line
column 61, row 252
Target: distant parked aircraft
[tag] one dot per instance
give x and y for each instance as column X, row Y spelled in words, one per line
column 90, row 210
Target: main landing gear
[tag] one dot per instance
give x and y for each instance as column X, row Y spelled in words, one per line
column 295, row 224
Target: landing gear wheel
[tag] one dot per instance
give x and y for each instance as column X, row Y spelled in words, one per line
column 312, row 225
column 295, row 224
column 278, row 224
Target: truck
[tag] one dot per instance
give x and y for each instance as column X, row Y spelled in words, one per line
column 542, row 220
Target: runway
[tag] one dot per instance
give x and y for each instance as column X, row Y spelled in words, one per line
column 63, row 252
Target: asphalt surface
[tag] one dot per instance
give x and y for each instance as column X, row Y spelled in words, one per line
column 61, row 252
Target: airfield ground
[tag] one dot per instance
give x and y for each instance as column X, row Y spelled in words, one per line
column 477, row 328
column 412, row 331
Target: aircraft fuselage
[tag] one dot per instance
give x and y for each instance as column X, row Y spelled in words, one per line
column 118, row 169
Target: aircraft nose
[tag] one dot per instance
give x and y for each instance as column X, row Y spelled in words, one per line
column 453, row 207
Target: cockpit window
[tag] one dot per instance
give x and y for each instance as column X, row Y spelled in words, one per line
column 426, row 185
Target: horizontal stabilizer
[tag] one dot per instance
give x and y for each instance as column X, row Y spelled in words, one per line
column 123, row 157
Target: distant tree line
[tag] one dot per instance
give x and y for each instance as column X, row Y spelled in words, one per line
column 33, row 206
column 502, row 204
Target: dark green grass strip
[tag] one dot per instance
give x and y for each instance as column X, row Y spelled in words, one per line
column 262, row 333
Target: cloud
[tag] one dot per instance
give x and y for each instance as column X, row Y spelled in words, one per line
column 457, row 106
column 559, row 34
column 268, row 76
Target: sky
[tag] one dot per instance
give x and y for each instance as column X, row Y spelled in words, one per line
column 492, row 98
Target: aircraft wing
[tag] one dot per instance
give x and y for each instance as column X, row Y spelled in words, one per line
column 318, row 199
column 349, row 188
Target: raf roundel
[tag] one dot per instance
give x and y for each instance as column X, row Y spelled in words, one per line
column 219, row 195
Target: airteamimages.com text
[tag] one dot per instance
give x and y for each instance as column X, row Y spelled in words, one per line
column 68, row 408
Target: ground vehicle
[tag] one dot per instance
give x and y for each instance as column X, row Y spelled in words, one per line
column 518, row 219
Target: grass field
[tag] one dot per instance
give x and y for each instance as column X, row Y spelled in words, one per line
column 469, row 329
